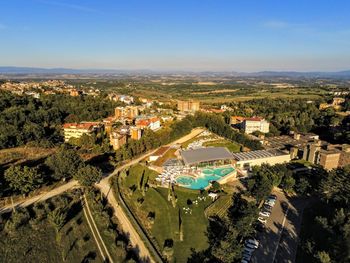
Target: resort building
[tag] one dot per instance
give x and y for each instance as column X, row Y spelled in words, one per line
column 76, row 130
column 188, row 106
column 207, row 156
column 246, row 160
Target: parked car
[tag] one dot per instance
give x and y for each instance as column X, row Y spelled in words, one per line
column 249, row 250
column 265, row 213
column 262, row 220
column 248, row 245
column 272, row 197
column 252, row 241
column 244, row 261
column 267, row 207
column 247, row 257
column 269, row 202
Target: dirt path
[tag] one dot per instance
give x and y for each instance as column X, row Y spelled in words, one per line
column 94, row 229
column 41, row 197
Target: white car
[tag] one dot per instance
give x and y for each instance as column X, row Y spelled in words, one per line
column 262, row 220
column 248, row 245
column 270, row 203
column 253, row 241
column 265, row 213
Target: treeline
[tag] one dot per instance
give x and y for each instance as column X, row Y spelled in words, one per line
column 287, row 115
column 151, row 140
column 63, row 165
column 325, row 234
column 55, row 230
column 25, row 119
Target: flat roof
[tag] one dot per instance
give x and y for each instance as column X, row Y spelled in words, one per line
column 205, row 155
column 259, row 154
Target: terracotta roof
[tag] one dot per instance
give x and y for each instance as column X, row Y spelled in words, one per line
column 82, row 125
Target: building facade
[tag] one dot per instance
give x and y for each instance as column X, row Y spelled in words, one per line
column 188, row 105
column 76, row 130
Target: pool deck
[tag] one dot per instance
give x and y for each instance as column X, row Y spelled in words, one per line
column 223, row 180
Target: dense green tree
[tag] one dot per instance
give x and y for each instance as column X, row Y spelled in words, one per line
column 65, row 163
column 88, row 175
column 23, row 179
column 57, row 218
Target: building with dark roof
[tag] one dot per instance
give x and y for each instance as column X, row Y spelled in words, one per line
column 206, row 156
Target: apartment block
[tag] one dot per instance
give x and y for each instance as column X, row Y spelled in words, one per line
column 76, row 130
column 188, row 106
column 128, row 112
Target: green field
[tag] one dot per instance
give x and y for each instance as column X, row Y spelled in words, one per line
column 164, row 224
column 231, row 146
column 37, row 240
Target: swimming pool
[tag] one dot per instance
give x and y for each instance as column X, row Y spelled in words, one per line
column 208, row 175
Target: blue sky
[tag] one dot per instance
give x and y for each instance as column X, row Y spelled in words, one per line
column 239, row 35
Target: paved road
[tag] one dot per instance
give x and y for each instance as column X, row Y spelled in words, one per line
column 279, row 243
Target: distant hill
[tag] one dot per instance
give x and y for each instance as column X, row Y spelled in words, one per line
column 60, row 71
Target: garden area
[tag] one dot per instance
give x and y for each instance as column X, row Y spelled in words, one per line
column 173, row 218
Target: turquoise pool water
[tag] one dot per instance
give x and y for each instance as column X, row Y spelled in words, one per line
column 204, row 180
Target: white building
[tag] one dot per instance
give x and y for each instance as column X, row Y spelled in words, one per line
column 246, row 160
column 251, row 125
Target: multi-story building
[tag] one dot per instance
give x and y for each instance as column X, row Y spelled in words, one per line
column 188, row 106
column 117, row 140
column 108, row 123
column 152, row 123
column 128, row 112
column 327, row 155
column 76, row 130
column 135, row 133
column 329, row 159
column 251, row 125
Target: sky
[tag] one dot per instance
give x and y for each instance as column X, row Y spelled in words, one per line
column 216, row 35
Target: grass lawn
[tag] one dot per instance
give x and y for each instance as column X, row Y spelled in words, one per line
column 231, row 146
column 168, row 155
column 41, row 243
column 165, row 224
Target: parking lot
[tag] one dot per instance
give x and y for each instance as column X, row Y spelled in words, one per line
column 278, row 242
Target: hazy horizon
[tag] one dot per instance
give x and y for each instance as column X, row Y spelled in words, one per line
column 242, row 36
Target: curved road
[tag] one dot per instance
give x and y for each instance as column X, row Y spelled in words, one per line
column 105, row 188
